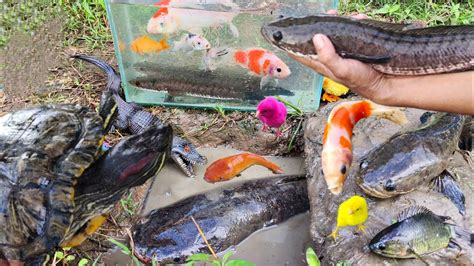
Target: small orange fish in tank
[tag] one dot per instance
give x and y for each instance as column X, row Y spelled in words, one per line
column 145, row 45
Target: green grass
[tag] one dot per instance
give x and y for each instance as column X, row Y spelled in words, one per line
column 86, row 21
column 434, row 12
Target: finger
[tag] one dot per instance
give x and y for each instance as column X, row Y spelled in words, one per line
column 360, row 16
column 327, row 55
column 332, row 12
column 315, row 65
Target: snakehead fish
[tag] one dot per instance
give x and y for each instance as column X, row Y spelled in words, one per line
column 133, row 118
column 226, row 216
column 414, row 158
column 396, row 49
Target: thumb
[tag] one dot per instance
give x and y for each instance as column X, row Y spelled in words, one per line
column 327, row 53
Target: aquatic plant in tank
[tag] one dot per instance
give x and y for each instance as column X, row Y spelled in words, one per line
column 203, row 53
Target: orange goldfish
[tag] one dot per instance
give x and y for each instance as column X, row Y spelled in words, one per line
column 145, row 44
column 262, row 63
column 336, row 156
column 227, row 168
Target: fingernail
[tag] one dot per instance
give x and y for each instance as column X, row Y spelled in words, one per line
column 318, row 41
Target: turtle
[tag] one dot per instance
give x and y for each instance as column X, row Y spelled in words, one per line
column 56, row 185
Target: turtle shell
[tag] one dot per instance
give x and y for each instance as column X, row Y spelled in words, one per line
column 43, row 151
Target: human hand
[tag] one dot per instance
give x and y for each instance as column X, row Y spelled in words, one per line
column 359, row 77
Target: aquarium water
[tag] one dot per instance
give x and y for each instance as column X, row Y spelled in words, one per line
column 208, row 53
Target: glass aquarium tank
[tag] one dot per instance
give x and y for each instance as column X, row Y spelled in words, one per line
column 208, row 53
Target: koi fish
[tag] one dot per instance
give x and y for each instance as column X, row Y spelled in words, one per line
column 263, row 63
column 192, row 42
column 227, row 168
column 168, row 20
column 145, row 44
column 337, row 147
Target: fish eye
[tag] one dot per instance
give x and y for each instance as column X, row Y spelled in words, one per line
column 277, row 36
column 162, row 24
column 381, row 246
column 278, row 70
column 343, row 169
column 199, row 43
column 281, row 16
column 389, row 185
column 176, row 259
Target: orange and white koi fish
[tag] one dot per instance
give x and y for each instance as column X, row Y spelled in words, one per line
column 170, row 18
column 262, row 63
column 336, row 157
column 145, row 44
column 227, row 168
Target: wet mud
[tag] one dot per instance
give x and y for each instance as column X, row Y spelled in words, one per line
column 352, row 245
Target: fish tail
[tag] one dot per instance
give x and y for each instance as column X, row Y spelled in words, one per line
column 164, row 44
column 393, row 114
column 463, row 234
column 240, row 57
column 266, row 163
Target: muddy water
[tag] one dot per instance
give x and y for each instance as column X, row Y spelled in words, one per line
column 352, row 246
column 284, row 244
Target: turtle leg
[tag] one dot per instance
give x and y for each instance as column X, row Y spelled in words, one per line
column 89, row 229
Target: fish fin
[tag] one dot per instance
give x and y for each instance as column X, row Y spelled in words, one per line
column 240, row 57
column 164, row 44
column 464, row 235
column 425, row 117
column 386, row 25
column 413, row 210
column 454, row 245
column 264, row 81
column 446, row 184
column 393, row 114
column 418, row 256
column 372, row 59
column 440, row 30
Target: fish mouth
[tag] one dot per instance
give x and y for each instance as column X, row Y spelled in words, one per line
column 373, row 192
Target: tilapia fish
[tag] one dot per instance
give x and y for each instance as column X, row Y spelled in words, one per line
column 226, row 216
column 392, row 48
column 410, row 159
column 418, row 231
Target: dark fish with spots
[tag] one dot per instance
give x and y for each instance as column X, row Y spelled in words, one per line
column 226, row 216
column 411, row 159
column 418, row 231
column 397, row 49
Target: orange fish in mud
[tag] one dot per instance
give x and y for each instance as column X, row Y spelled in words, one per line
column 227, row 168
column 145, row 44
column 337, row 147
column 262, row 63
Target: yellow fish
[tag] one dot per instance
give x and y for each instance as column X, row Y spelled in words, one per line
column 352, row 212
column 332, row 90
column 145, row 44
